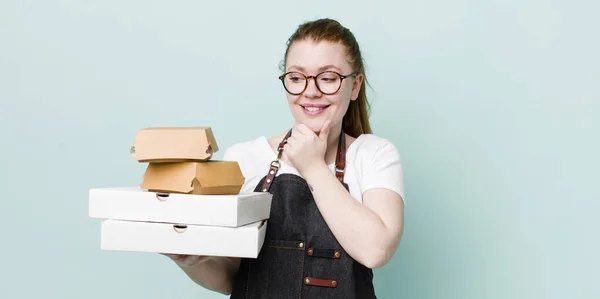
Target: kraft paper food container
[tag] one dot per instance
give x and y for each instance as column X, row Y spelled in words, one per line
column 136, row 204
column 176, row 144
column 245, row 241
column 208, row 178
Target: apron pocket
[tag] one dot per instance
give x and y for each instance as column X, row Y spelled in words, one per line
column 327, row 273
column 277, row 272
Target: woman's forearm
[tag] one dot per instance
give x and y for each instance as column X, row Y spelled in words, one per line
column 360, row 231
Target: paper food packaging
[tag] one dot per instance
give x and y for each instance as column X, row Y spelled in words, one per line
column 245, row 241
column 209, row 178
column 177, row 144
column 135, row 204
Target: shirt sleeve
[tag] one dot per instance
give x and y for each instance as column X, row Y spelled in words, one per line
column 384, row 170
column 233, row 154
column 229, row 155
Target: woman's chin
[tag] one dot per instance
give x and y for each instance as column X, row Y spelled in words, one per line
column 313, row 124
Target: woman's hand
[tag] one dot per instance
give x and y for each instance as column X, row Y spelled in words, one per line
column 304, row 148
column 187, row 260
column 212, row 272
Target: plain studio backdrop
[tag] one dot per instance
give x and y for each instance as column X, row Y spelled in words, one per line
column 494, row 106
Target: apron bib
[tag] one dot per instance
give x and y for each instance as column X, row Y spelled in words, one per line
column 301, row 257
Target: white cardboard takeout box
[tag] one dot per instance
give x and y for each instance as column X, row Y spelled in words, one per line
column 245, row 241
column 136, row 204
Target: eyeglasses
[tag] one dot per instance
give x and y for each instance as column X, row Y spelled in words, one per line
column 328, row 82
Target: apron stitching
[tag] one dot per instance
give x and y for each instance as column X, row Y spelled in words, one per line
column 301, row 278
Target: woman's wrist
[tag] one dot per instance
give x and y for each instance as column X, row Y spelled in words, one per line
column 315, row 172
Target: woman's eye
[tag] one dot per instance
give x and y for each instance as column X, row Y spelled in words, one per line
column 328, row 79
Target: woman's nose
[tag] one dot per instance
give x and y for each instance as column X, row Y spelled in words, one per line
column 311, row 89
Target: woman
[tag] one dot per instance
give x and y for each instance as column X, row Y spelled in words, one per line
column 337, row 208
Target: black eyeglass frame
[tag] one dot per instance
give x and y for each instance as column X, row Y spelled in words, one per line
column 342, row 77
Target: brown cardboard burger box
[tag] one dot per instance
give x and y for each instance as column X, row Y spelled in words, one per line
column 208, row 178
column 176, row 144
column 179, row 161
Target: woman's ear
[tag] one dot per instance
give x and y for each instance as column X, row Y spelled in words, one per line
column 356, row 86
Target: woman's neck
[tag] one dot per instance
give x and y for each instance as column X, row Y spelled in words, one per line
column 332, row 144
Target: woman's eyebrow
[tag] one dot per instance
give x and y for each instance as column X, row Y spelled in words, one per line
column 330, row 66
column 323, row 68
column 297, row 67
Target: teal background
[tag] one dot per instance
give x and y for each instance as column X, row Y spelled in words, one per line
column 494, row 105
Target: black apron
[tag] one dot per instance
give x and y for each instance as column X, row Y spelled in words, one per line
column 301, row 257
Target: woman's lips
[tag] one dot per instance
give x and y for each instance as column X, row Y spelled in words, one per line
column 313, row 109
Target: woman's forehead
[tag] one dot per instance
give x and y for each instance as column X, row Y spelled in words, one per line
column 313, row 56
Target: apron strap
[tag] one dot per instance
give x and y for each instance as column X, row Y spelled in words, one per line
column 275, row 164
column 340, row 158
column 340, row 161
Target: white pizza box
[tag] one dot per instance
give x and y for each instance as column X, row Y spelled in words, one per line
column 244, row 241
column 136, row 204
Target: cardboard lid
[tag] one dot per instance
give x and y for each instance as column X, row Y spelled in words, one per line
column 174, row 144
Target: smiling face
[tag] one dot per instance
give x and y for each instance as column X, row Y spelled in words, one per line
column 312, row 107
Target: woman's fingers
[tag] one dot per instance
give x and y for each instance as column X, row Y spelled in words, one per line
column 188, row 260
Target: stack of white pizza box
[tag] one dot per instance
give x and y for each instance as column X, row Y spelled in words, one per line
column 187, row 203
